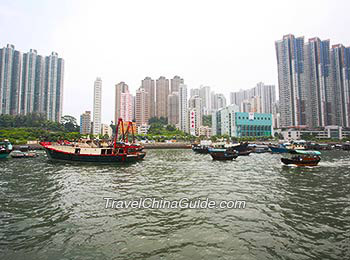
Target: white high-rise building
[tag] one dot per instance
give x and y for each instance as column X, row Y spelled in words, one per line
column 195, row 115
column 204, row 94
column 183, row 111
column 97, row 107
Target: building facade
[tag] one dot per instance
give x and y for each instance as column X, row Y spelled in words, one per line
column 183, row 108
column 162, row 93
column 229, row 121
column 97, row 107
column 175, row 83
column 173, row 108
column 148, row 85
column 142, row 107
column 123, row 103
column 292, row 94
column 85, row 123
column 195, row 115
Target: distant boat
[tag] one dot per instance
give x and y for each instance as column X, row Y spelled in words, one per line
column 5, row 149
column 278, row 149
column 223, row 154
column 303, row 158
column 121, row 152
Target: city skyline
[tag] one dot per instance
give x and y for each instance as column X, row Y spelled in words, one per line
column 213, row 52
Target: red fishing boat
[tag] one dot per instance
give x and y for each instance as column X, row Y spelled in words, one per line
column 121, row 151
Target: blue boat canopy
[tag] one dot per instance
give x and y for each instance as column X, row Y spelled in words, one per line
column 305, row 152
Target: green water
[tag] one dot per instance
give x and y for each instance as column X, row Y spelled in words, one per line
column 56, row 210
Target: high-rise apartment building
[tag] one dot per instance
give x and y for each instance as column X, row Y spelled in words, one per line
column 292, row 94
column 10, row 80
column 148, row 85
column 340, row 71
column 123, row 102
column 194, row 92
column 174, row 83
column 173, row 108
column 97, row 107
column 85, row 123
column 218, row 101
column 204, row 94
column 318, row 83
column 141, row 107
column 183, row 108
column 162, row 93
column 30, row 83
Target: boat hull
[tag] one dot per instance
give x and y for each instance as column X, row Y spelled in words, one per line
column 120, row 158
column 200, row 150
column 4, row 155
column 288, row 161
column 278, row 149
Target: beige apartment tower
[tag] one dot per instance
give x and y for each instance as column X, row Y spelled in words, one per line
column 162, row 93
column 142, row 107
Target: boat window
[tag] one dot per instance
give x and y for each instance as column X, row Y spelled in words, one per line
column 121, row 150
column 109, row 151
column 77, row 150
column 103, row 151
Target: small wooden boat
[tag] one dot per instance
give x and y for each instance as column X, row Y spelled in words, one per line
column 20, row 154
column 223, row 154
column 303, row 158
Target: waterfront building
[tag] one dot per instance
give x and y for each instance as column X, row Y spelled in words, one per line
column 183, row 108
column 174, row 83
column 292, row 93
column 173, row 108
column 85, row 123
column 30, row 83
column 205, row 95
column 195, row 115
column 328, row 132
column 162, row 93
column 142, row 107
column 148, row 85
column 229, row 121
column 123, row 102
column 96, row 130
column 106, row 130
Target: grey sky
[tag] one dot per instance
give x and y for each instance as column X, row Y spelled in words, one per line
column 228, row 45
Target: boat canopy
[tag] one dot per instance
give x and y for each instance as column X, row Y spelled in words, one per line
column 305, row 152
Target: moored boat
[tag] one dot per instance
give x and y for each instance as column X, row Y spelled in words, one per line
column 278, row 149
column 121, row 151
column 223, row 154
column 303, row 158
column 20, row 154
column 5, row 149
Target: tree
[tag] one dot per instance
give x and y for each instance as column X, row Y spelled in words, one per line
column 70, row 123
column 207, row 120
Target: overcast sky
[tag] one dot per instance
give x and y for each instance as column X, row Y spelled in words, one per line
column 228, row 45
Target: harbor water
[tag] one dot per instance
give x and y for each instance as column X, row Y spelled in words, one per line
column 55, row 210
